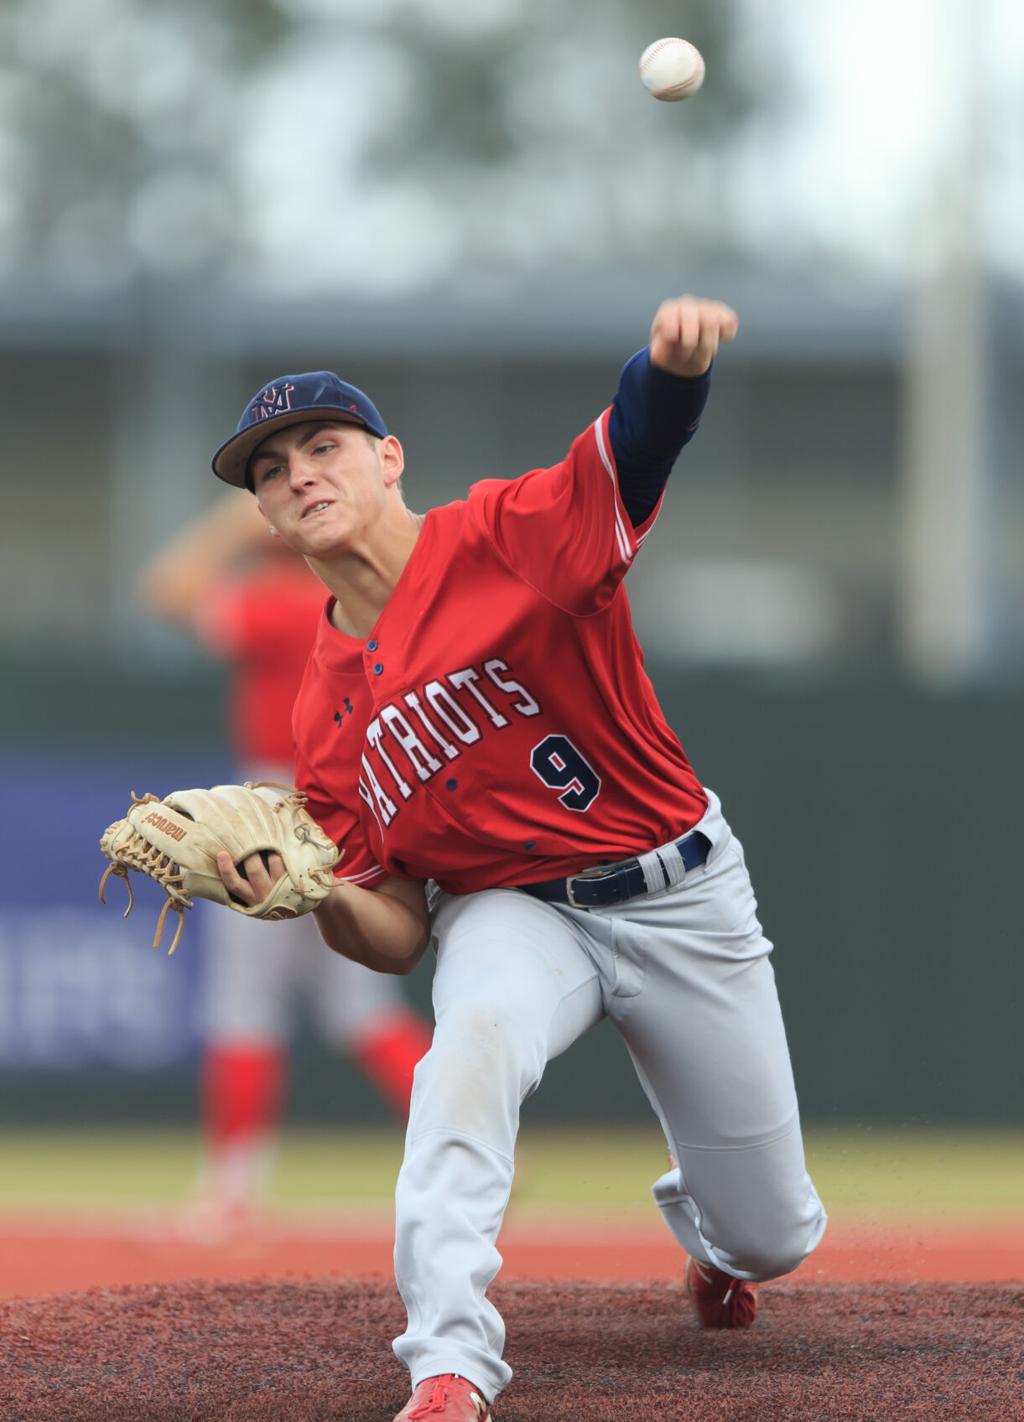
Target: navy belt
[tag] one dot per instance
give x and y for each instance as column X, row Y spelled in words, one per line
column 597, row 888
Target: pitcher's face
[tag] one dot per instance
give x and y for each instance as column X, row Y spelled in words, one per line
column 322, row 485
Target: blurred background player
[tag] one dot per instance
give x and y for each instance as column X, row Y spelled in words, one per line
column 253, row 602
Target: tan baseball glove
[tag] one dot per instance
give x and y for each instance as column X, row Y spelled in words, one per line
column 175, row 841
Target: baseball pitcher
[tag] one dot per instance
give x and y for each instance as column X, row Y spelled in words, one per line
column 475, row 712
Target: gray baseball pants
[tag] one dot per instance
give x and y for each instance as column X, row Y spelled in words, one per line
column 685, row 976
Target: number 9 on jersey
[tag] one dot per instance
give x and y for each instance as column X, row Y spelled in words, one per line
column 558, row 763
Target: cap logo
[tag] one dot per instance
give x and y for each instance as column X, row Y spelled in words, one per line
column 275, row 400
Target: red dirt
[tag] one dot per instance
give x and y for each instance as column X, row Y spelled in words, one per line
column 45, row 1256
column 318, row 1352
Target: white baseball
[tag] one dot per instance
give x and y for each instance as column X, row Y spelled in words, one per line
column 672, row 69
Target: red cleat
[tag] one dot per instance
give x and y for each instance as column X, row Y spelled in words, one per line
column 447, row 1398
column 719, row 1300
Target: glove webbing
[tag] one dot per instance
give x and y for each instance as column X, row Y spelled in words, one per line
column 139, row 854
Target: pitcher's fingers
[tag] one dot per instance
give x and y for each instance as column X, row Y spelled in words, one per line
column 690, row 327
column 729, row 324
column 665, row 326
column 707, row 346
column 263, row 874
column 238, row 887
column 261, row 878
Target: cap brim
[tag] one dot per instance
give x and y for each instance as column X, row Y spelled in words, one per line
column 231, row 462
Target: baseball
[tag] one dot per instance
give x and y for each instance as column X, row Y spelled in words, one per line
column 672, row 69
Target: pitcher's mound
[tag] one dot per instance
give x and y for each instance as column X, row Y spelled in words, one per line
column 319, row 1351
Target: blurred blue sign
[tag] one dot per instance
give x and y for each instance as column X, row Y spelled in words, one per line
column 80, row 986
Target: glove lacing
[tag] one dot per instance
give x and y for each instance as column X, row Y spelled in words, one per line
column 138, row 853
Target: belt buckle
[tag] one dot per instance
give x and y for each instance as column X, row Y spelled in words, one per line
column 571, row 896
column 604, row 871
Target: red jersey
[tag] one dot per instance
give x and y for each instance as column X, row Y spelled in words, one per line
column 497, row 726
column 264, row 622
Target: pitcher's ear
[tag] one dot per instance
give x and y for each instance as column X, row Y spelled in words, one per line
column 392, row 459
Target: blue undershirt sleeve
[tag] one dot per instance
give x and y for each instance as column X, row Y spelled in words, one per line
column 654, row 414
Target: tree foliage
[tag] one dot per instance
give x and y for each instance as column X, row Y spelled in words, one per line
column 134, row 136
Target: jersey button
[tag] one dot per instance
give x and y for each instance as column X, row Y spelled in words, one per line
column 451, row 784
column 530, row 844
column 378, row 667
column 373, row 645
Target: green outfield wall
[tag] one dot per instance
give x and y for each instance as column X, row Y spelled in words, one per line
column 883, row 831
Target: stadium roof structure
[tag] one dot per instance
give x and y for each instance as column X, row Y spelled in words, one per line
column 569, row 313
column 784, row 314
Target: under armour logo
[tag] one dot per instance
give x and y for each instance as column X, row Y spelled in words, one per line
column 275, row 400
column 339, row 716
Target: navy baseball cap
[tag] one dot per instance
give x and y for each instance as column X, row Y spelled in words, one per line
column 292, row 400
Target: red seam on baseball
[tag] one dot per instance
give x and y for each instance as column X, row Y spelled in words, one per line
column 683, row 88
column 660, row 44
column 686, row 84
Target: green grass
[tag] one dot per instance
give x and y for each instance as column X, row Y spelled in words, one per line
column 975, row 1174
column 965, row 1174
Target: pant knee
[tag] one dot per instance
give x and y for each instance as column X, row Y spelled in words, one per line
column 757, row 1232
column 759, row 1263
column 779, row 1246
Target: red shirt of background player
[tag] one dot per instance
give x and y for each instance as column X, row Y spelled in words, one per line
column 496, row 727
column 263, row 621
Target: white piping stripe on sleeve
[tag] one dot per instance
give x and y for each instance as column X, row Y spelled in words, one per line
column 622, row 537
column 647, row 530
column 358, row 878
